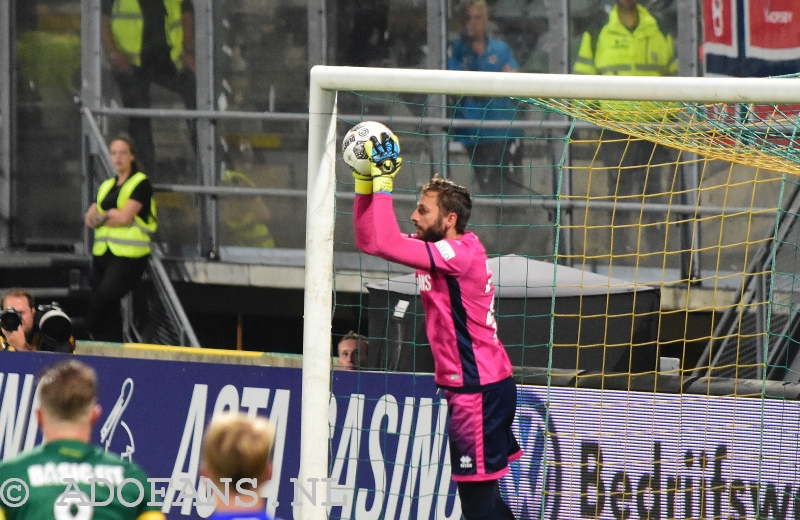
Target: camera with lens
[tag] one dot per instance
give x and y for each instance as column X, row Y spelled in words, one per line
column 54, row 329
column 10, row 319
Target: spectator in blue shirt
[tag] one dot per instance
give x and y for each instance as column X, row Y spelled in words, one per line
column 494, row 151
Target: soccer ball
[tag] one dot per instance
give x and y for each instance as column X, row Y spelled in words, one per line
column 353, row 144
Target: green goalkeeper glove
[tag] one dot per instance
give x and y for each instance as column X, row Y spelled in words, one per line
column 386, row 161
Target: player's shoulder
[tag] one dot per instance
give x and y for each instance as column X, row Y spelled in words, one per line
column 447, row 249
column 153, row 514
column 97, row 456
column 471, row 240
column 466, row 246
column 20, row 462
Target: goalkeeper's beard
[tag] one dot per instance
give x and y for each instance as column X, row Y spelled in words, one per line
column 434, row 233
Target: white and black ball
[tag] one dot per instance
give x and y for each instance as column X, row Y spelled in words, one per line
column 353, row 151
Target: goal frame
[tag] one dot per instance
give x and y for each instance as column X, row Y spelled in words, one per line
column 325, row 81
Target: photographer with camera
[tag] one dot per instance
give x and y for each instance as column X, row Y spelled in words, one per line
column 25, row 327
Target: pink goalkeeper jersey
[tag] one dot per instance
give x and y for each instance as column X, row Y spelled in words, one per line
column 455, row 288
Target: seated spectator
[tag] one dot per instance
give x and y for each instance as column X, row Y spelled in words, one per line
column 245, row 219
column 239, row 448
column 352, row 352
column 27, row 328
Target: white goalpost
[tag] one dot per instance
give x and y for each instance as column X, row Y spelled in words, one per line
column 323, row 151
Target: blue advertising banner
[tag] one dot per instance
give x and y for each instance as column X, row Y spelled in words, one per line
column 587, row 453
column 390, row 457
column 155, row 412
column 388, row 432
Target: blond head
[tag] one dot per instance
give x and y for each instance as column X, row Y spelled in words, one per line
column 239, row 447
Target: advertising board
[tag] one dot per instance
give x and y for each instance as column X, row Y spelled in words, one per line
column 750, row 38
column 588, row 453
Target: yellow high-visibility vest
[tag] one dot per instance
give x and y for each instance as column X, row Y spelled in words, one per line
column 618, row 51
column 645, row 51
column 127, row 28
column 133, row 240
column 244, row 225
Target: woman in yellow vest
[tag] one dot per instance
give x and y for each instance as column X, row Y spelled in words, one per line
column 123, row 219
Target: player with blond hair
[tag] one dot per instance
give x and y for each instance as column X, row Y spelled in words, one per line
column 237, row 452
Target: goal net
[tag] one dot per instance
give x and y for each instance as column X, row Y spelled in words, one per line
column 643, row 242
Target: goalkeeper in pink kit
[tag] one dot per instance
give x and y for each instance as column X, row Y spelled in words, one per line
column 456, row 291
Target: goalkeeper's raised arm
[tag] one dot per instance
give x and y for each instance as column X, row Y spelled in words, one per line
column 377, row 231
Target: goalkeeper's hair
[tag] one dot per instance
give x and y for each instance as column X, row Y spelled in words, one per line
column 452, row 198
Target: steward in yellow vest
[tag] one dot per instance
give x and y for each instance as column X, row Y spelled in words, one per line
column 127, row 29
column 123, row 220
column 629, row 44
column 146, row 42
column 133, row 240
column 642, row 50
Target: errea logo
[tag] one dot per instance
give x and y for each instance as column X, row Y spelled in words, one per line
column 466, row 462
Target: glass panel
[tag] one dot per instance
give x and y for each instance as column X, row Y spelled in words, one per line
column 508, row 170
column 378, row 33
column 261, row 56
column 260, row 158
column 47, row 156
column 148, row 70
column 178, row 220
column 619, row 164
column 154, row 76
column 262, row 65
column 523, row 26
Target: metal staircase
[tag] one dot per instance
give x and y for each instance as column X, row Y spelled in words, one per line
column 757, row 337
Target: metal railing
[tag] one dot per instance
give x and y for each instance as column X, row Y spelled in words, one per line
column 566, row 205
column 690, row 263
